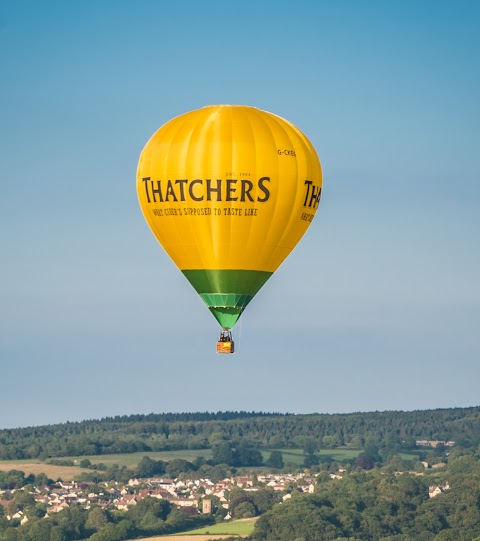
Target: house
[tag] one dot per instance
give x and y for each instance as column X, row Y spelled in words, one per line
column 185, row 502
column 40, row 498
column 161, row 494
column 126, row 501
column 244, row 481
column 17, row 515
column 166, row 484
column 434, row 443
column 57, row 507
column 435, row 490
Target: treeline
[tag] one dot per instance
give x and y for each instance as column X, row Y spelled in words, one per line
column 381, row 506
column 160, row 432
column 15, row 479
column 224, row 463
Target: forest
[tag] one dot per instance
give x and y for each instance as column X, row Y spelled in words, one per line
column 170, row 431
column 381, row 506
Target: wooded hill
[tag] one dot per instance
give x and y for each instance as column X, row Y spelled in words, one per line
column 171, row 431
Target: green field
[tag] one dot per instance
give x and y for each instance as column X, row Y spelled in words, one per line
column 237, row 527
column 297, row 456
column 131, row 460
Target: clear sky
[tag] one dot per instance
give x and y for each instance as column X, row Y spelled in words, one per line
column 378, row 308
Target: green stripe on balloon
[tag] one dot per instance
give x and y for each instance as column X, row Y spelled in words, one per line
column 227, row 292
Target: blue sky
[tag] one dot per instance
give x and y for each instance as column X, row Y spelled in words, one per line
column 378, row 308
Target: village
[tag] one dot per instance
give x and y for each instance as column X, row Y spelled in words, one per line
column 193, row 496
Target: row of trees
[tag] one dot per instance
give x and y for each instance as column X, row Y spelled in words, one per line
column 14, row 479
column 150, row 433
column 223, row 464
column 226, row 458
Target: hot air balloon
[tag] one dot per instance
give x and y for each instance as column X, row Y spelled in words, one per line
column 228, row 191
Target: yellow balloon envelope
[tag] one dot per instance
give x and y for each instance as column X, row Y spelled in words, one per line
column 228, row 191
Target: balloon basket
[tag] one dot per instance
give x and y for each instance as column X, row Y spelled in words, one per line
column 225, row 343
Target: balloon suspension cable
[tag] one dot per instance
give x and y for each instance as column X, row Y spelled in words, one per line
column 238, row 334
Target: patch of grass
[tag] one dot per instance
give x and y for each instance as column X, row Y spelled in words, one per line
column 341, row 454
column 409, row 455
column 184, row 537
column 297, row 456
column 236, row 527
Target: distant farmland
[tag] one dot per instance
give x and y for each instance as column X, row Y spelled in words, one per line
column 295, row 457
column 66, row 473
column 131, row 460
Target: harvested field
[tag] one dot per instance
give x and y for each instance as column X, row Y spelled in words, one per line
column 66, row 473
